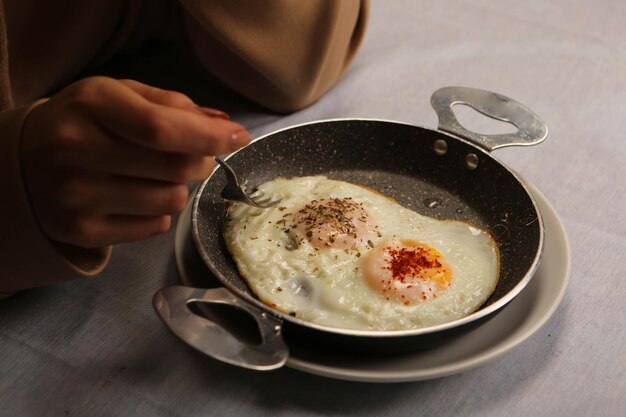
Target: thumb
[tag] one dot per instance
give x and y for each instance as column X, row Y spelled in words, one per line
column 171, row 98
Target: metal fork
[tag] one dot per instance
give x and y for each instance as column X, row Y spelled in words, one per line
column 234, row 191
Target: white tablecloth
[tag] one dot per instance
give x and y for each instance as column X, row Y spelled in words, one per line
column 96, row 347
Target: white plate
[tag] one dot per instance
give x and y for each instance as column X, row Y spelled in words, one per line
column 515, row 323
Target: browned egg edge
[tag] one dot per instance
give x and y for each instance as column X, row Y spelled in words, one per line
column 229, row 203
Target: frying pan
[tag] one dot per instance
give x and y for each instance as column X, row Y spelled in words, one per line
column 447, row 173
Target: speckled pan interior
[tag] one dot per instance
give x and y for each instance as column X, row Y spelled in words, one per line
column 398, row 160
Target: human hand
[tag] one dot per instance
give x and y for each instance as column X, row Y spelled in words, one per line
column 107, row 161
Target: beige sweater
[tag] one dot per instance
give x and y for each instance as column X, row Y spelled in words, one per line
column 283, row 54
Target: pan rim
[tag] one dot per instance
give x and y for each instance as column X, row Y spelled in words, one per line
column 475, row 316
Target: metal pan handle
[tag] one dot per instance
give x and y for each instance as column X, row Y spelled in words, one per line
column 531, row 129
column 171, row 304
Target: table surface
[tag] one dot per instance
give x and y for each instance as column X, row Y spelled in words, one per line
column 95, row 347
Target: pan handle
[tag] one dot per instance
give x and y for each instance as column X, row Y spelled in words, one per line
column 531, row 130
column 171, row 304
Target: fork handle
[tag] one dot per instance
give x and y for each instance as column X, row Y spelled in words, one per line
column 229, row 192
column 228, row 168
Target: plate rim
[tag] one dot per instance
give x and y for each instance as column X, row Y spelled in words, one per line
column 554, row 229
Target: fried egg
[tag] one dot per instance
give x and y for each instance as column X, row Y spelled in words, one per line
column 342, row 255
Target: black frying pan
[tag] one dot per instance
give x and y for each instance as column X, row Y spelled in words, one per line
column 432, row 172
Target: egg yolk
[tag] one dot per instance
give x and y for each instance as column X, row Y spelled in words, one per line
column 338, row 223
column 406, row 271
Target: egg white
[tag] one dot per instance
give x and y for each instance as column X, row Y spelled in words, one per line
column 326, row 286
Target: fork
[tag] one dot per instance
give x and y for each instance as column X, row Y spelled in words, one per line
column 234, row 191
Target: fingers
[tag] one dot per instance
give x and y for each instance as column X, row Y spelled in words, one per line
column 107, row 161
column 171, row 99
column 93, row 148
column 112, row 155
column 103, row 211
column 160, row 96
column 98, row 231
column 119, row 195
column 170, row 167
column 119, row 229
column 134, row 117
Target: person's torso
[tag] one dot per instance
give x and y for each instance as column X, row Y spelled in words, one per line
column 52, row 43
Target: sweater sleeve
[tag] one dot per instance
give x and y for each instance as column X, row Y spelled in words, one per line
column 28, row 258
column 283, row 54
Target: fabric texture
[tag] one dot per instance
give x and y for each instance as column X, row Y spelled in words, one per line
column 281, row 56
column 95, row 347
column 6, row 99
column 284, row 55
